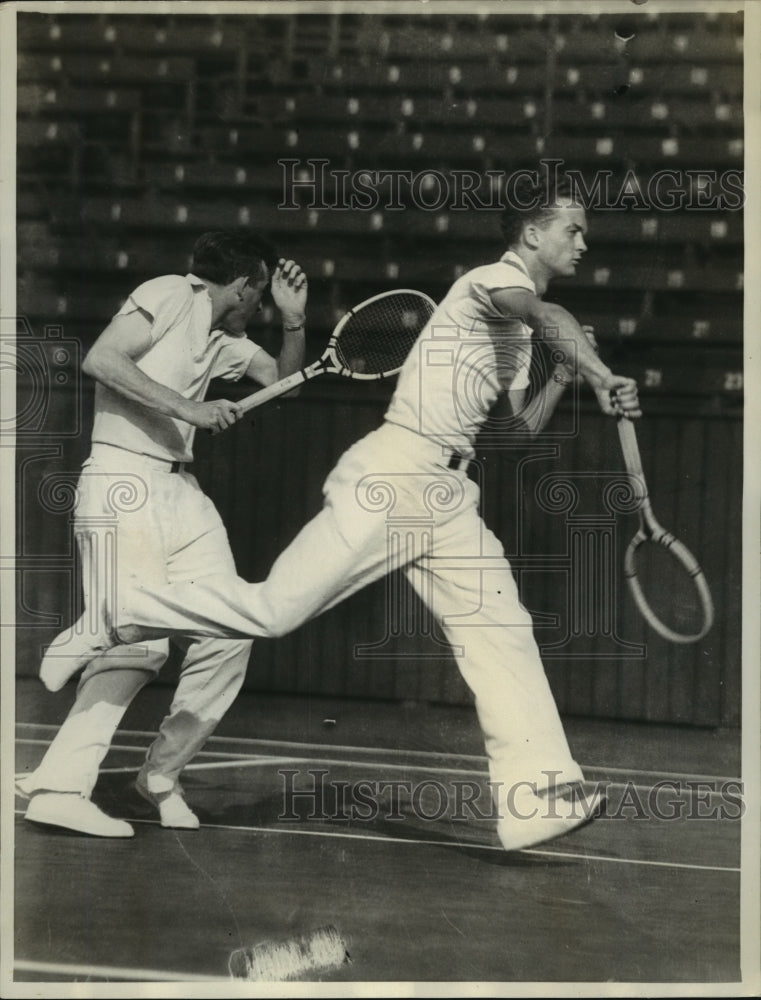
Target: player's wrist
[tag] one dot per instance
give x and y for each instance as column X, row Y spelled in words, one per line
column 293, row 322
column 599, row 377
column 186, row 409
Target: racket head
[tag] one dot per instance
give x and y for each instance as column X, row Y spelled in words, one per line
column 681, row 555
column 373, row 340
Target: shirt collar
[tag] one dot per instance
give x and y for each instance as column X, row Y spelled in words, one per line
column 194, row 280
column 196, row 283
column 511, row 257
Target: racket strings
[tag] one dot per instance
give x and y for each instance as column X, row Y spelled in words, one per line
column 379, row 335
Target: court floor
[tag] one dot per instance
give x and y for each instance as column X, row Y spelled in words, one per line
column 373, row 819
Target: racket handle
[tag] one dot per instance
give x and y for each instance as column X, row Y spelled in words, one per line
column 272, row 391
column 630, row 448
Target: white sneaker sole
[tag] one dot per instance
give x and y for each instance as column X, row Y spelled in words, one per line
column 520, row 832
column 53, row 810
column 185, row 819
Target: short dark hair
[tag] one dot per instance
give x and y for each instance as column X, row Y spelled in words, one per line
column 531, row 198
column 221, row 257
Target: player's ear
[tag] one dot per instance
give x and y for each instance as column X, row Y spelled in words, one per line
column 531, row 235
column 237, row 286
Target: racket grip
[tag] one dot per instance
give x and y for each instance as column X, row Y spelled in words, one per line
column 630, row 448
column 272, row 391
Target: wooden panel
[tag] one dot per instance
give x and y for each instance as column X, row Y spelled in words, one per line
column 266, row 479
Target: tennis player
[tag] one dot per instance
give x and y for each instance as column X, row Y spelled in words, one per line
column 152, row 365
column 476, row 348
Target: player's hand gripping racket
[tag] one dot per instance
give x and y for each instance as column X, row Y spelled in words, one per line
column 650, row 531
column 371, row 341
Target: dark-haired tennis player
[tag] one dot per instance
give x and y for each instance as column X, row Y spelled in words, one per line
column 477, row 346
column 153, row 364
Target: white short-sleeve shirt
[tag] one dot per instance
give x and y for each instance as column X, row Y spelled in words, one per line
column 465, row 357
column 184, row 355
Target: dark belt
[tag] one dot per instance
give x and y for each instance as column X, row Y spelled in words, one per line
column 458, row 462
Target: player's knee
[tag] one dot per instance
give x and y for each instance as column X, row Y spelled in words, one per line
column 149, row 656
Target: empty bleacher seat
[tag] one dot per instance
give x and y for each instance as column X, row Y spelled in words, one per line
column 648, row 113
column 205, row 36
column 46, row 32
column 87, row 69
column 229, row 178
column 692, row 326
column 36, row 132
column 685, row 78
column 686, row 380
column 37, row 32
column 33, row 98
column 647, row 151
column 657, row 227
column 421, row 77
column 61, row 255
column 618, row 274
column 689, row 45
column 436, row 39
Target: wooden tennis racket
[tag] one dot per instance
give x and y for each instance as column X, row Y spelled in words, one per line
column 650, row 531
column 371, row 341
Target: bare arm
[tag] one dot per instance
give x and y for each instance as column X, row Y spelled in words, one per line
column 555, row 325
column 112, row 362
column 537, row 413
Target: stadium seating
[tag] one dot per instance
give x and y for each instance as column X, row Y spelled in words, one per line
column 137, row 132
column 85, row 68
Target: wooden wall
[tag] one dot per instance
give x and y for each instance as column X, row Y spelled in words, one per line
column 266, row 477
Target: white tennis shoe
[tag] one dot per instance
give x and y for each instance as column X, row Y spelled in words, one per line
column 533, row 819
column 73, row 649
column 73, row 811
column 167, row 797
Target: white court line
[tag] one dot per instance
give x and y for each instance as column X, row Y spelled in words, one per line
column 380, row 838
column 130, row 748
column 240, row 760
column 395, row 751
column 109, row 972
column 630, row 861
column 211, row 765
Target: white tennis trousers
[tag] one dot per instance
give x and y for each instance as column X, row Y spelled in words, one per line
column 392, row 502
column 138, row 524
